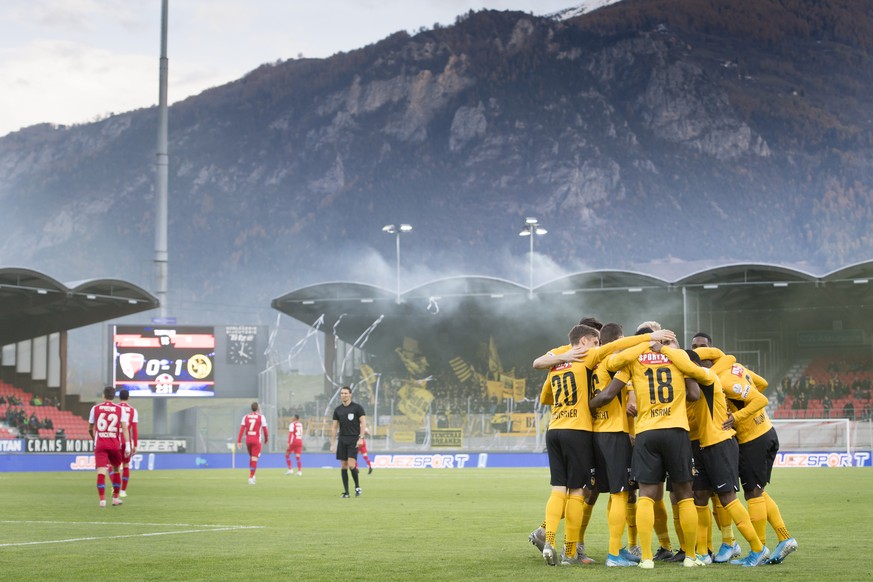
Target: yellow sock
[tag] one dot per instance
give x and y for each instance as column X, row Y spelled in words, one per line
column 744, row 523
column 688, row 522
column 632, row 524
column 724, row 522
column 554, row 512
column 573, row 516
column 645, row 524
column 774, row 516
column 704, row 525
column 586, row 517
column 616, row 519
column 758, row 515
column 677, row 525
column 662, row 530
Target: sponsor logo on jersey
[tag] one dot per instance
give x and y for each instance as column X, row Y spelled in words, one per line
column 563, row 366
column 653, row 359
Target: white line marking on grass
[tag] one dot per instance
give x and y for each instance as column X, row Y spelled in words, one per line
column 131, row 523
column 141, row 535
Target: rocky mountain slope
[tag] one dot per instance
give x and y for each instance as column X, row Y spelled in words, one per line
column 656, row 135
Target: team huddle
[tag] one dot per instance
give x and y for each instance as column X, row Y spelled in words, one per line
column 631, row 413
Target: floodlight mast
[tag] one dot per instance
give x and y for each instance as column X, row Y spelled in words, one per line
column 159, row 410
column 397, row 231
column 531, row 227
column 162, row 172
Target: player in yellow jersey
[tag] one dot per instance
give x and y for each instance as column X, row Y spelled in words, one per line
column 662, row 444
column 716, row 457
column 758, row 445
column 569, row 439
column 538, row 536
column 612, row 448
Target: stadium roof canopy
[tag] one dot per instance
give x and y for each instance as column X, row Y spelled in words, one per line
column 736, row 303
column 33, row 304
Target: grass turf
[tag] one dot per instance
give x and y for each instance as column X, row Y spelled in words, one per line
column 469, row 524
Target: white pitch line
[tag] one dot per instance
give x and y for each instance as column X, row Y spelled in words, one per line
column 130, row 523
column 160, row 533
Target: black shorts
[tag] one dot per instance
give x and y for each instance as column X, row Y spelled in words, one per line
column 716, row 466
column 612, row 459
column 756, row 460
column 661, row 451
column 347, row 448
column 571, row 457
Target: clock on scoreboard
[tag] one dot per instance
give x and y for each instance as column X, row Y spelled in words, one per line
column 164, row 360
column 240, row 344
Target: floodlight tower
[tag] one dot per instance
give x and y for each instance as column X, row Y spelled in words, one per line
column 397, row 231
column 531, row 227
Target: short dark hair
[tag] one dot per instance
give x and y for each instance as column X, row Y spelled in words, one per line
column 123, row 394
column 296, row 417
column 109, row 392
column 591, row 322
column 346, row 388
column 611, row 332
column 703, row 334
column 580, row 331
column 254, row 406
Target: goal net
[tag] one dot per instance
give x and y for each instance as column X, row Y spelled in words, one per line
column 815, row 435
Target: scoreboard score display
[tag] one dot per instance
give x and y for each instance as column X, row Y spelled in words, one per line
column 160, row 361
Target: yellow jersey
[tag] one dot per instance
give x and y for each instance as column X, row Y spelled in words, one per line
column 659, row 385
column 568, row 386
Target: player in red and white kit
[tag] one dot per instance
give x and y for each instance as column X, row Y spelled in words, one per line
column 107, row 424
column 362, row 448
column 251, row 425
column 295, row 445
column 133, row 423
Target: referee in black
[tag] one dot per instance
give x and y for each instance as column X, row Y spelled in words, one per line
column 351, row 420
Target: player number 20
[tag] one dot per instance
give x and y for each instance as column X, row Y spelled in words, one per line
column 564, row 388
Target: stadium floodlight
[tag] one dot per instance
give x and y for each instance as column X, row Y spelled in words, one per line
column 531, row 227
column 397, row 231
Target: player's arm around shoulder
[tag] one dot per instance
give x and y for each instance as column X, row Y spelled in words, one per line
column 625, row 357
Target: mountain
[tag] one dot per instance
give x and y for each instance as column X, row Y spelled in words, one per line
column 661, row 136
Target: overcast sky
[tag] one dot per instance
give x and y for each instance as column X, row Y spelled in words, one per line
column 71, row 61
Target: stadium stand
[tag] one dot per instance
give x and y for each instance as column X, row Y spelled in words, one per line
column 829, row 388
column 74, row 427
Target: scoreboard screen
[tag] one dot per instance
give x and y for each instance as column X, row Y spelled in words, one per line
column 161, row 361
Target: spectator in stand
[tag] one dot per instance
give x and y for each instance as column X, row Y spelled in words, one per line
column 33, row 424
column 849, row 410
column 47, row 423
column 36, row 400
column 2, row 399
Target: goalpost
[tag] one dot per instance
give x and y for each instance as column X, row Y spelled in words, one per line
column 815, row 434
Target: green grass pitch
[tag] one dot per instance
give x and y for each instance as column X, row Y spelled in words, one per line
column 469, row 524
